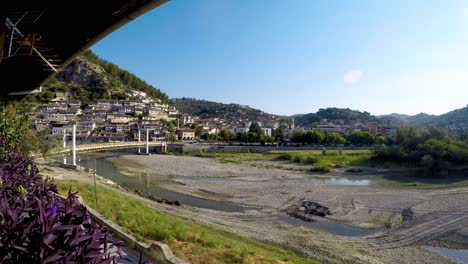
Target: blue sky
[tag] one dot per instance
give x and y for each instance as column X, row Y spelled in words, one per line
column 289, row 57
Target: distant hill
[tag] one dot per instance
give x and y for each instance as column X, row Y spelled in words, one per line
column 394, row 115
column 334, row 115
column 208, row 109
column 90, row 78
column 456, row 118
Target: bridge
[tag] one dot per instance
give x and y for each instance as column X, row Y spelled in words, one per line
column 39, row 38
column 109, row 146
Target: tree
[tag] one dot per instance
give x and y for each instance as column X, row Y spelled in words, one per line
column 255, row 128
column 298, row 137
column 226, row 135
column 361, row 138
column 279, row 134
column 381, row 140
column 334, row 138
column 198, row 129
column 16, row 129
column 243, row 137
column 47, row 141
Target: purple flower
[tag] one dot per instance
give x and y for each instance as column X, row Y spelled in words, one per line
column 52, row 210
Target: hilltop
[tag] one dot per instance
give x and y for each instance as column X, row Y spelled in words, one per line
column 231, row 112
column 334, row 115
column 89, row 78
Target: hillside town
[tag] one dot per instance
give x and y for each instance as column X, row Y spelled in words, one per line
column 109, row 120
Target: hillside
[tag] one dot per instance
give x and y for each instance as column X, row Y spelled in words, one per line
column 455, row 118
column 90, row 78
column 208, row 109
column 334, row 115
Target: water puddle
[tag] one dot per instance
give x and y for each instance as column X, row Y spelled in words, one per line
column 457, row 255
column 331, row 227
column 340, row 181
column 213, row 179
column 330, row 180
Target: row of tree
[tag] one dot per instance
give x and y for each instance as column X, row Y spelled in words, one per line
column 432, row 148
column 320, row 137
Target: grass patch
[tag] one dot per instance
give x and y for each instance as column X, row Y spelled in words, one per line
column 190, row 241
column 233, row 157
column 331, row 158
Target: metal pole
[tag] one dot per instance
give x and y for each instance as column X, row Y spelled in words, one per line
column 95, row 191
column 147, row 141
column 139, row 139
column 64, row 138
column 74, row 144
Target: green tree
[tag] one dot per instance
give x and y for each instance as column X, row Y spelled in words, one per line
column 361, row 138
column 15, row 125
column 198, row 129
column 279, row 134
column 255, row 128
column 381, row 140
column 47, row 141
column 227, row 135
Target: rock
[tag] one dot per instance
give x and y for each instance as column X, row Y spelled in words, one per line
column 83, row 72
column 306, row 209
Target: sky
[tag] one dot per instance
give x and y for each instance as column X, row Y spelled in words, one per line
column 291, row 57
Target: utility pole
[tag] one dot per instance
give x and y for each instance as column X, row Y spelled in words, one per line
column 74, row 144
column 178, row 118
column 147, row 141
column 95, row 191
column 65, row 145
column 139, row 139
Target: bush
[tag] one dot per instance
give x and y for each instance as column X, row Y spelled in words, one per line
column 296, row 158
column 321, row 168
column 324, row 151
column 311, row 159
column 37, row 226
column 354, row 170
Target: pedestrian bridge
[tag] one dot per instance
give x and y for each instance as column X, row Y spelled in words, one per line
column 110, row 146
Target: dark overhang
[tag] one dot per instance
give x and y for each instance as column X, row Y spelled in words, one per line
column 39, row 38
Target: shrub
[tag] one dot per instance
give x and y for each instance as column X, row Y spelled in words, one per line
column 37, row 226
column 321, row 168
column 285, row 156
column 354, row 170
column 324, row 151
column 311, row 159
column 297, row 158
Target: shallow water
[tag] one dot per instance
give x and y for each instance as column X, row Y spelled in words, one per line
column 106, row 169
column 457, row 255
column 331, row 227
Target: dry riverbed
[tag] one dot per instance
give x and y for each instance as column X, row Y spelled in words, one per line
column 270, row 191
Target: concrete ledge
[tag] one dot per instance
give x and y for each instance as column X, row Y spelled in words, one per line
column 157, row 251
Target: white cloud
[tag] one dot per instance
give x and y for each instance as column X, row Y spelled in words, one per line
column 352, row 76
